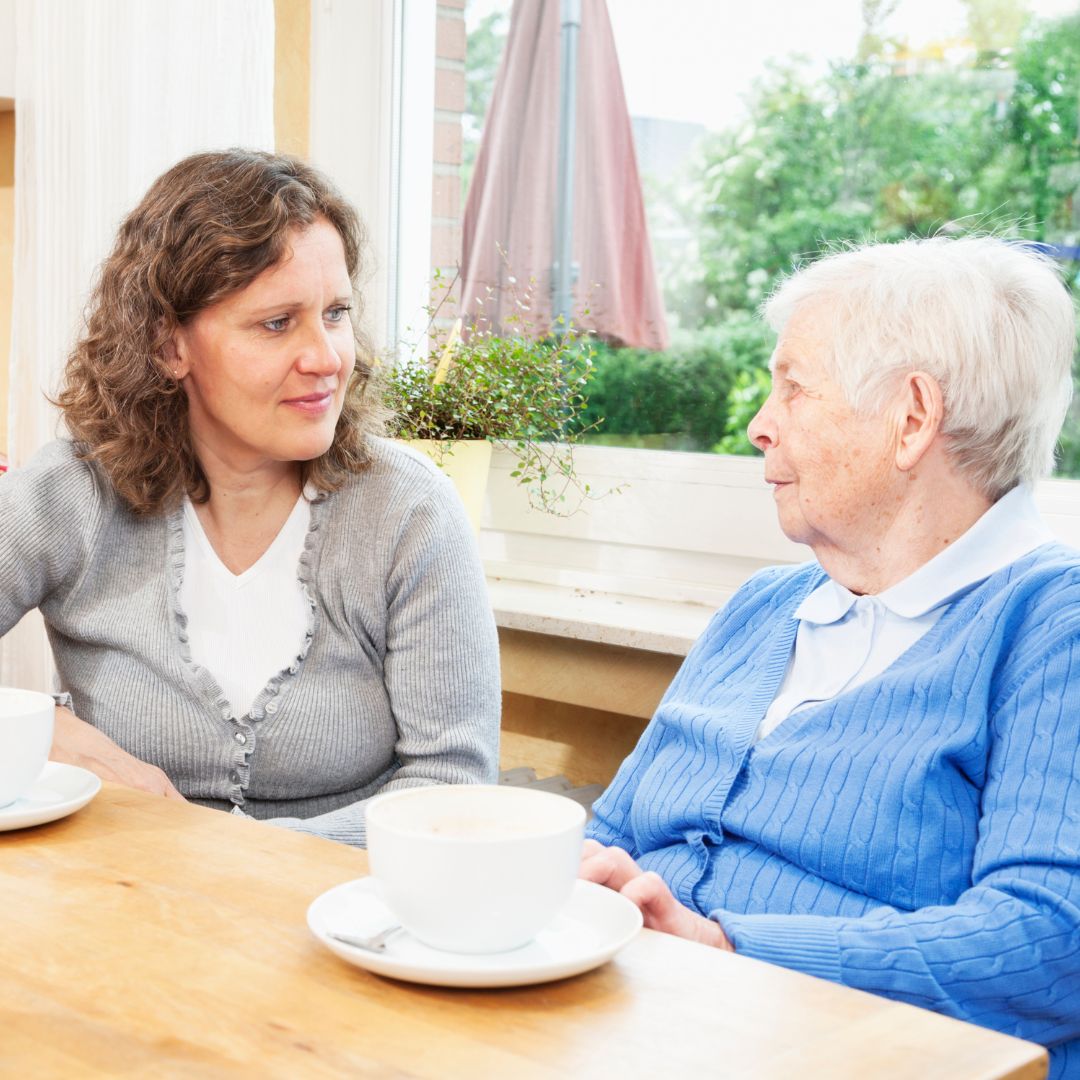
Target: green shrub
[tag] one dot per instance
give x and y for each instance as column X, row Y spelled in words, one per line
column 721, row 354
column 747, row 396
column 683, row 393
column 633, row 392
column 1067, row 463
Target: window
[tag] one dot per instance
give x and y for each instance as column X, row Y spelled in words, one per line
column 765, row 139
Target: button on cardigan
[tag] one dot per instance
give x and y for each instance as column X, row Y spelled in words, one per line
column 395, row 684
column 917, row 836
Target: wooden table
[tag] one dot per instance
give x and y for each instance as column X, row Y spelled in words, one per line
column 149, row 938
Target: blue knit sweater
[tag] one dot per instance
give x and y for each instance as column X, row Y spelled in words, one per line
column 917, row 836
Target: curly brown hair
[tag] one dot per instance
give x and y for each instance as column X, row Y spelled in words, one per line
column 206, row 228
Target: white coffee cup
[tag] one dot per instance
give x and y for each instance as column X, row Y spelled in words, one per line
column 26, row 732
column 474, row 868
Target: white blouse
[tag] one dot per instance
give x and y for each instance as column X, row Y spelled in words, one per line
column 245, row 628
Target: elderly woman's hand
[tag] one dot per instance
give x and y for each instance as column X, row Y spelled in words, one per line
column 76, row 742
column 613, row 867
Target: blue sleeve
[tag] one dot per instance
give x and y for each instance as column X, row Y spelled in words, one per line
column 1005, row 954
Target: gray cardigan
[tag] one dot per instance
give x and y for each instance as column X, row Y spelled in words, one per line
column 396, row 683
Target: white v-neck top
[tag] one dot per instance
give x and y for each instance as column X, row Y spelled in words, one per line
column 844, row 639
column 245, row 628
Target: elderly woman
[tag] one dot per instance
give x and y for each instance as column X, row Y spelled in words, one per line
column 254, row 602
column 868, row 769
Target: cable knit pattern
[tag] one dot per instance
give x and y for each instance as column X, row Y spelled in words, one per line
column 917, row 836
column 396, row 683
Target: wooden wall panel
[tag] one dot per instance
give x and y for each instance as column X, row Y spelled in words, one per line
column 292, row 76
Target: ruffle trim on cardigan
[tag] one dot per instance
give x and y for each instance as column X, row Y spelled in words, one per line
column 267, row 701
column 279, row 684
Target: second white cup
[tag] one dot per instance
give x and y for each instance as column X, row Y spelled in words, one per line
column 26, row 732
column 474, row 868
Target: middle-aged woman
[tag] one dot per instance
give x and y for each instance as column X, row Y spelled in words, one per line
column 253, row 601
column 868, row 768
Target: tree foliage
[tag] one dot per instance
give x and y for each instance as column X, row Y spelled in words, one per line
column 685, row 390
column 860, row 153
column 1043, row 115
column 873, row 150
column 880, row 148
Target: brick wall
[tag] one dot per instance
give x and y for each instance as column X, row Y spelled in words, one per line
column 446, row 195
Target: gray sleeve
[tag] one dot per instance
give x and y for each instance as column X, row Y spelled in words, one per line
column 46, row 511
column 441, row 665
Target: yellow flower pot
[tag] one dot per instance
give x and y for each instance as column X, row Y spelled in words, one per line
column 466, row 462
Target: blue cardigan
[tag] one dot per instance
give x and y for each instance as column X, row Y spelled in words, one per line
column 917, row 836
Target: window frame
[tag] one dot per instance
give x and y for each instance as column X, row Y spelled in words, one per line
column 372, row 128
column 688, row 528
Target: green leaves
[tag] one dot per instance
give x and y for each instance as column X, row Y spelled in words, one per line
column 883, row 148
column 747, row 396
column 681, row 397
column 887, row 146
column 527, row 394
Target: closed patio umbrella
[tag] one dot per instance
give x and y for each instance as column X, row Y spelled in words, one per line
column 515, row 214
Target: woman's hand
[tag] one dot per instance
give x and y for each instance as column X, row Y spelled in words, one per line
column 76, row 742
column 613, row 867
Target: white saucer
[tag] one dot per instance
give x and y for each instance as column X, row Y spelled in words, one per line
column 593, row 926
column 59, row 790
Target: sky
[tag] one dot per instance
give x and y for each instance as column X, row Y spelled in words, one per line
column 693, row 60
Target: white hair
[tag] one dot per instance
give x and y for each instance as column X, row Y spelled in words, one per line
column 989, row 319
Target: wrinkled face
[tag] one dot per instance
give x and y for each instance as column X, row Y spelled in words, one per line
column 266, row 368
column 833, row 473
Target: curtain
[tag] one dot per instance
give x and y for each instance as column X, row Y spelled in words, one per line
column 109, row 93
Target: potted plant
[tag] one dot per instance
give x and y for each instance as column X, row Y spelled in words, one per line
column 521, row 392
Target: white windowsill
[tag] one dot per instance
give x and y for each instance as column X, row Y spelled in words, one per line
column 633, row 622
column 647, row 569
